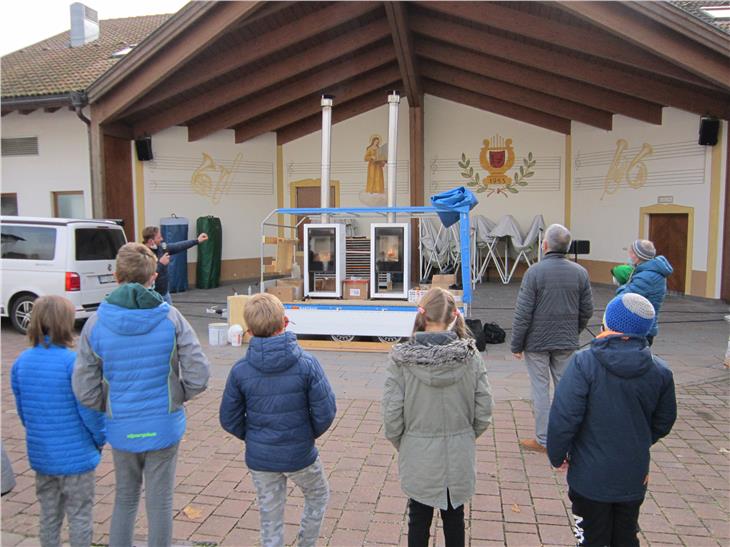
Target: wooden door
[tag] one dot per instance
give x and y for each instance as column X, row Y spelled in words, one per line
column 309, row 197
column 668, row 232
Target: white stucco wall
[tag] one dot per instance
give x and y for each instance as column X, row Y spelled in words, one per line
column 181, row 180
column 62, row 163
column 676, row 167
column 452, row 129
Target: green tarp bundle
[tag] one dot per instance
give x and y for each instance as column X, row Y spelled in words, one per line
column 208, row 270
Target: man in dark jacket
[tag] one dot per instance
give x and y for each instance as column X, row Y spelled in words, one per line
column 649, row 278
column 553, row 306
column 614, row 401
column 278, row 400
column 152, row 237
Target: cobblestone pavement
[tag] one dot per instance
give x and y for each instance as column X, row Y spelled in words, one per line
column 520, row 500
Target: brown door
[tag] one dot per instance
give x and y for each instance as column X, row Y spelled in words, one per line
column 669, row 235
column 308, row 197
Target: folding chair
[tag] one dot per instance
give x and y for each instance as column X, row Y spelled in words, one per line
column 506, row 230
column 434, row 248
column 530, row 245
column 485, row 244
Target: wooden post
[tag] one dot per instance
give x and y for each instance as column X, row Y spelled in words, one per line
column 415, row 116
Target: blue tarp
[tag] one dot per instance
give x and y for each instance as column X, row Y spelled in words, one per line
column 452, row 206
column 452, row 202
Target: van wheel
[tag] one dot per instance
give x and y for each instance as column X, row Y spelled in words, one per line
column 389, row 339
column 20, row 312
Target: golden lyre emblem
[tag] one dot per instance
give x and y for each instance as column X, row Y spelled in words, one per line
column 497, row 160
column 211, row 179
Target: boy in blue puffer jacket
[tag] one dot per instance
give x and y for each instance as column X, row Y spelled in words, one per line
column 614, row 401
column 64, row 439
column 278, row 400
column 139, row 361
column 649, row 278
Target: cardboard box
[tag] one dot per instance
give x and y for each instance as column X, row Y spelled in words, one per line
column 325, row 284
column 283, row 293
column 236, row 305
column 355, row 289
column 443, row 280
column 298, row 285
column 414, row 295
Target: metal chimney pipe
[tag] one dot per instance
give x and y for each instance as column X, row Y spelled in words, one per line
column 393, row 103
column 326, row 105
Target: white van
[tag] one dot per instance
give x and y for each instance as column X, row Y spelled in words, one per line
column 70, row 257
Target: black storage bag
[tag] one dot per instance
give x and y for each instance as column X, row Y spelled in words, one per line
column 475, row 326
column 493, row 333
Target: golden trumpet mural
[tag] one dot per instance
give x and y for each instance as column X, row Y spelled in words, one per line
column 212, row 179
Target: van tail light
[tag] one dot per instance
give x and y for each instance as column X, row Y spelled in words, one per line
column 73, row 281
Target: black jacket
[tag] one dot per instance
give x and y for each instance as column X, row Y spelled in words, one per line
column 162, row 282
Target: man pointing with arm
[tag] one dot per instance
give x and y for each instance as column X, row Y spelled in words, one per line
column 152, row 237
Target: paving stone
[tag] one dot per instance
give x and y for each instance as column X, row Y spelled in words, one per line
column 687, row 503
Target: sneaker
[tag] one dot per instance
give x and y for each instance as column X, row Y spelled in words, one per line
column 532, row 444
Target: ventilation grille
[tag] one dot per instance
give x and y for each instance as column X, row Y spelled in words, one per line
column 25, row 146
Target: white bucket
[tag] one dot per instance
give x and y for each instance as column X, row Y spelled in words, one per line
column 217, row 334
column 235, row 335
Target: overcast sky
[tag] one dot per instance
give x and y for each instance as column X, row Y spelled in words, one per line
column 25, row 22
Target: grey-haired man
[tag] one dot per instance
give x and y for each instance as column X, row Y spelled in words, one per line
column 553, row 306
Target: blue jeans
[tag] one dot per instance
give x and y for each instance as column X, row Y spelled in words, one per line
column 167, row 298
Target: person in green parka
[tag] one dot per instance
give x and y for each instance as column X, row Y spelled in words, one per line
column 436, row 402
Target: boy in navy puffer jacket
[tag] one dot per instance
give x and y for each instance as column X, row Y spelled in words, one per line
column 614, row 401
column 64, row 439
column 139, row 360
column 278, row 400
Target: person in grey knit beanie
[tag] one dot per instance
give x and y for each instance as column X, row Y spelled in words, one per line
column 649, row 278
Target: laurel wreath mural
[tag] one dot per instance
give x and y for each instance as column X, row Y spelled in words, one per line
column 525, row 171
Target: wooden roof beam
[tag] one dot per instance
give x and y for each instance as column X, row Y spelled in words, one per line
column 260, row 79
column 538, row 80
column 497, row 106
column 622, row 20
column 518, row 95
column 599, row 44
column 309, row 106
column 340, row 113
column 631, row 83
column 207, row 69
column 403, row 41
column 217, row 20
column 314, row 82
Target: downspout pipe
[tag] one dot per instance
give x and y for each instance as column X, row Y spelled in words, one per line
column 79, row 100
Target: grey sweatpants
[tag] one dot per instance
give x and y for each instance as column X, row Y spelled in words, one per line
column 540, row 366
column 69, row 494
column 158, row 469
column 271, row 497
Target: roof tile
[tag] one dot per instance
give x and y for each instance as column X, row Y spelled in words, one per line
column 52, row 67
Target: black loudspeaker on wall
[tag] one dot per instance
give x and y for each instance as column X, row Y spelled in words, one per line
column 144, row 148
column 708, row 131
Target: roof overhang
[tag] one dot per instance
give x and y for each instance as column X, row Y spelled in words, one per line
column 256, row 67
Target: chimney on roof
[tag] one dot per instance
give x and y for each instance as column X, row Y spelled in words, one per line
column 84, row 24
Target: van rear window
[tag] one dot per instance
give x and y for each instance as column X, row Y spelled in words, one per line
column 98, row 243
column 28, row 242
